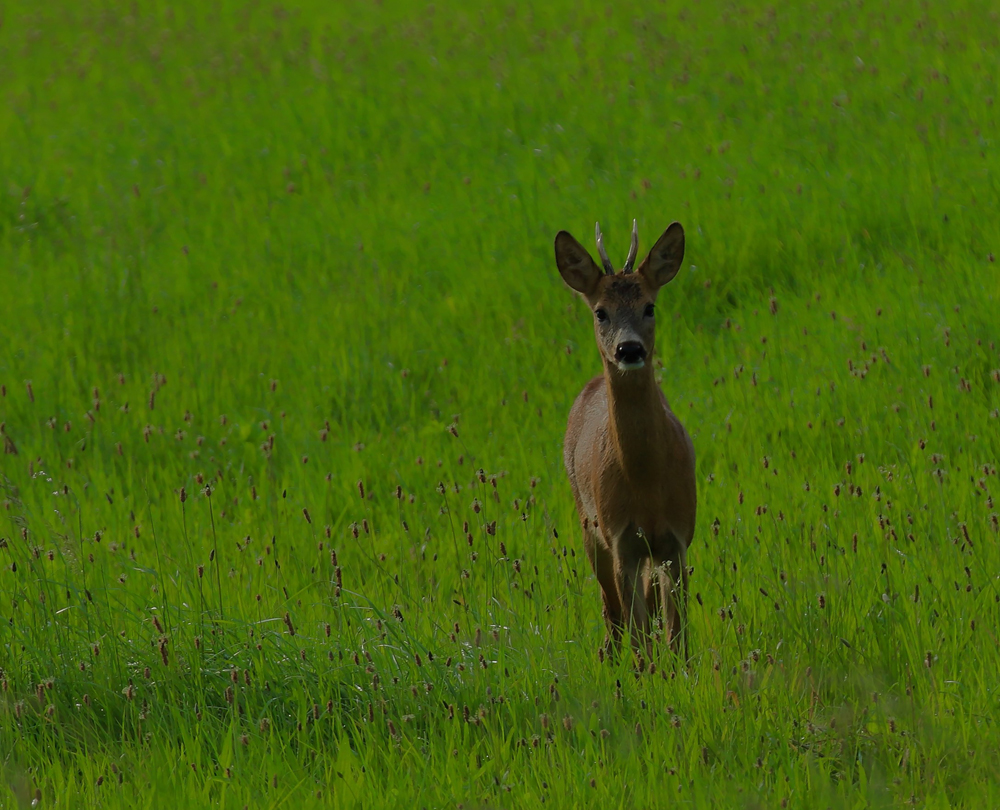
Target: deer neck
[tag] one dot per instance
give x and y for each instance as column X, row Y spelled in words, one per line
column 637, row 419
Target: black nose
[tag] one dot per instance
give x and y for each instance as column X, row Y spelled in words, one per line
column 631, row 351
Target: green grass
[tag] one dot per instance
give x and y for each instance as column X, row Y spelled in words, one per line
column 252, row 255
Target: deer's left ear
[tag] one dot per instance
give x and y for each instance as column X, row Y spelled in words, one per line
column 575, row 265
column 664, row 260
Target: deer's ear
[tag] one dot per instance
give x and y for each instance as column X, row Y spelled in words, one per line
column 664, row 260
column 575, row 265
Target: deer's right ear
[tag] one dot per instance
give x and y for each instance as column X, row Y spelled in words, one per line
column 575, row 265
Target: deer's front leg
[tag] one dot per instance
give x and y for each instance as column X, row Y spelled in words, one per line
column 603, row 564
column 669, row 587
column 630, row 571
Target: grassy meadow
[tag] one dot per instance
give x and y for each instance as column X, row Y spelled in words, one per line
column 285, row 363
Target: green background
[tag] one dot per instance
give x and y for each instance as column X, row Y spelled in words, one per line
column 258, row 253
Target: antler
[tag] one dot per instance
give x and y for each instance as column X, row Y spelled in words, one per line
column 609, row 268
column 633, row 249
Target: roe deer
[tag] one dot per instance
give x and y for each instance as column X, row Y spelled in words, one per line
column 629, row 460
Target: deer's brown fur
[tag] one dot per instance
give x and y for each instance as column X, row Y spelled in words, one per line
column 629, row 459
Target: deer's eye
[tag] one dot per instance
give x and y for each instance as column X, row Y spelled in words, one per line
column 601, row 314
column 649, row 311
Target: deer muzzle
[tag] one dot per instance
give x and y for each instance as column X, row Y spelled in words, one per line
column 630, row 354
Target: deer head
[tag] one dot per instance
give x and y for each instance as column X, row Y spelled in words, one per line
column 623, row 303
